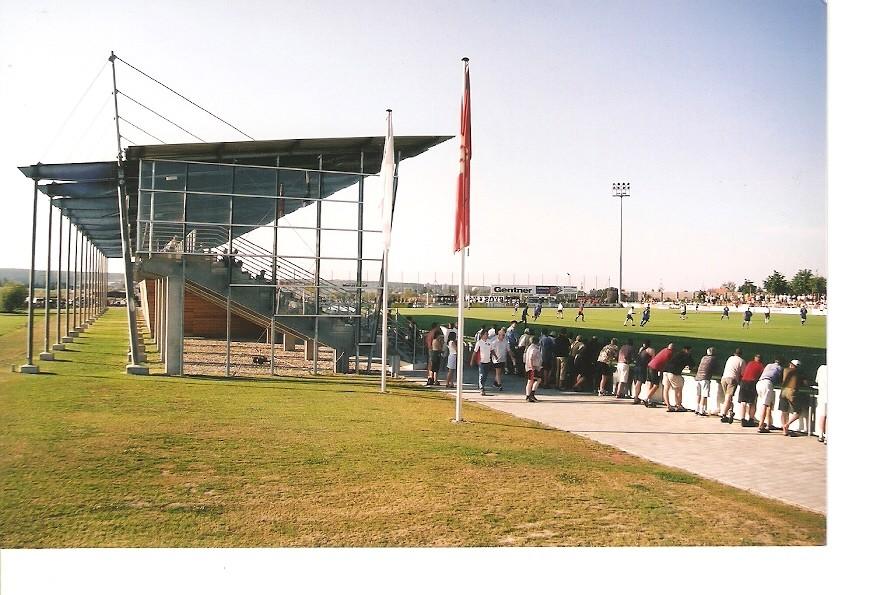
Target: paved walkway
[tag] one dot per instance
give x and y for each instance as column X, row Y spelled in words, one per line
column 792, row 470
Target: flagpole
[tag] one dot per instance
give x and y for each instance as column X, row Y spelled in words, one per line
column 388, row 192
column 384, row 353
column 461, row 300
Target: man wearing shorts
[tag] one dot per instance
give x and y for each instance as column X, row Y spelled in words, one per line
column 646, row 315
column 436, row 347
column 533, row 366
column 500, row 347
column 746, row 321
column 629, row 317
column 766, row 314
column 803, row 315
column 726, row 313
column 674, row 381
column 560, row 310
column 580, row 312
column 622, row 370
column 607, row 357
column 703, row 381
column 729, row 382
column 748, row 391
column 790, row 404
column 643, row 358
column 771, row 376
column 683, row 311
column 655, row 373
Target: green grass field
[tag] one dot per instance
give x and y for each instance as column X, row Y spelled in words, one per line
column 782, row 337
column 90, row 457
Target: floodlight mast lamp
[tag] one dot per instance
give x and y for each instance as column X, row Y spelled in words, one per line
column 621, row 190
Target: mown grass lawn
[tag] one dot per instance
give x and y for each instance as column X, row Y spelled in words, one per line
column 92, row 457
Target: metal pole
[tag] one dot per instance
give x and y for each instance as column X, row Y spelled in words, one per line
column 67, row 338
column 126, row 252
column 621, row 254
column 318, row 261
column 275, row 280
column 77, row 299
column 228, row 261
column 461, row 299
column 359, row 308
column 29, row 368
column 46, row 354
column 59, row 346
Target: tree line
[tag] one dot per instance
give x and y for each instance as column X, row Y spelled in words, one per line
column 804, row 282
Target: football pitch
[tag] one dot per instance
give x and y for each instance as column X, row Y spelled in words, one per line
column 783, row 337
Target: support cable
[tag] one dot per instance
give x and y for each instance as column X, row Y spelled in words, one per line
column 183, row 97
column 126, row 121
column 123, row 94
column 129, row 142
column 73, row 111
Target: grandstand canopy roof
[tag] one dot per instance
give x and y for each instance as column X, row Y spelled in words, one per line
column 87, row 192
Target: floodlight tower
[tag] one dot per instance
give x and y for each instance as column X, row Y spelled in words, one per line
column 620, row 190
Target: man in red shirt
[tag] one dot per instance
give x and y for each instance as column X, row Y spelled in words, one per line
column 748, row 391
column 655, row 373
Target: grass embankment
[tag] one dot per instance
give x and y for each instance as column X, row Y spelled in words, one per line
column 91, row 457
column 783, row 337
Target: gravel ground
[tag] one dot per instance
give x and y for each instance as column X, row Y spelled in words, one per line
column 209, row 357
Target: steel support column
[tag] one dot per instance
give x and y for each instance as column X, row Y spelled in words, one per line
column 46, row 354
column 59, row 346
column 67, row 338
column 29, row 368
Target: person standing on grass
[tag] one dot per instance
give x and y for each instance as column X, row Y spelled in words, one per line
column 537, row 311
column 500, row 346
column 703, row 381
column 643, row 358
column 746, row 321
column 655, row 374
column 803, row 315
column 730, row 381
column 766, row 314
column 436, row 347
column 580, row 312
column 629, row 317
column 726, row 313
column 748, row 391
column 451, row 374
column 674, row 381
column 428, row 344
column 646, row 315
column 608, row 357
column 790, row 404
column 683, row 311
column 822, row 399
column 771, row 376
column 484, row 350
column 524, row 313
column 626, row 356
column 533, row 367
column 560, row 310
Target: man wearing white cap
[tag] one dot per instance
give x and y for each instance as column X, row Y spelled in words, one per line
column 788, row 403
column 771, row 375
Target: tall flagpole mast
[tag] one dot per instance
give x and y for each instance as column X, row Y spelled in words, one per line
column 388, row 193
column 461, row 232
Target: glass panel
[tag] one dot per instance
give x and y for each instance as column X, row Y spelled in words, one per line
column 207, row 177
column 169, row 176
column 208, row 208
column 255, row 180
column 146, row 179
column 168, row 206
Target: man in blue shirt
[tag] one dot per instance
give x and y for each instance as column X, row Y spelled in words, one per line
column 766, row 392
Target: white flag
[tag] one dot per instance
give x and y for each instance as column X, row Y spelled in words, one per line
column 387, row 175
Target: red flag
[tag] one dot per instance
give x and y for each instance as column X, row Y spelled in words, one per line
column 461, row 218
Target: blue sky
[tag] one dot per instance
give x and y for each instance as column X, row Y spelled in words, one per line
column 714, row 111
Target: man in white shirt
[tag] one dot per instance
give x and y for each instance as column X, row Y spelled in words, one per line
column 730, row 381
column 560, row 310
column 484, row 349
column 533, row 366
column 500, row 348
